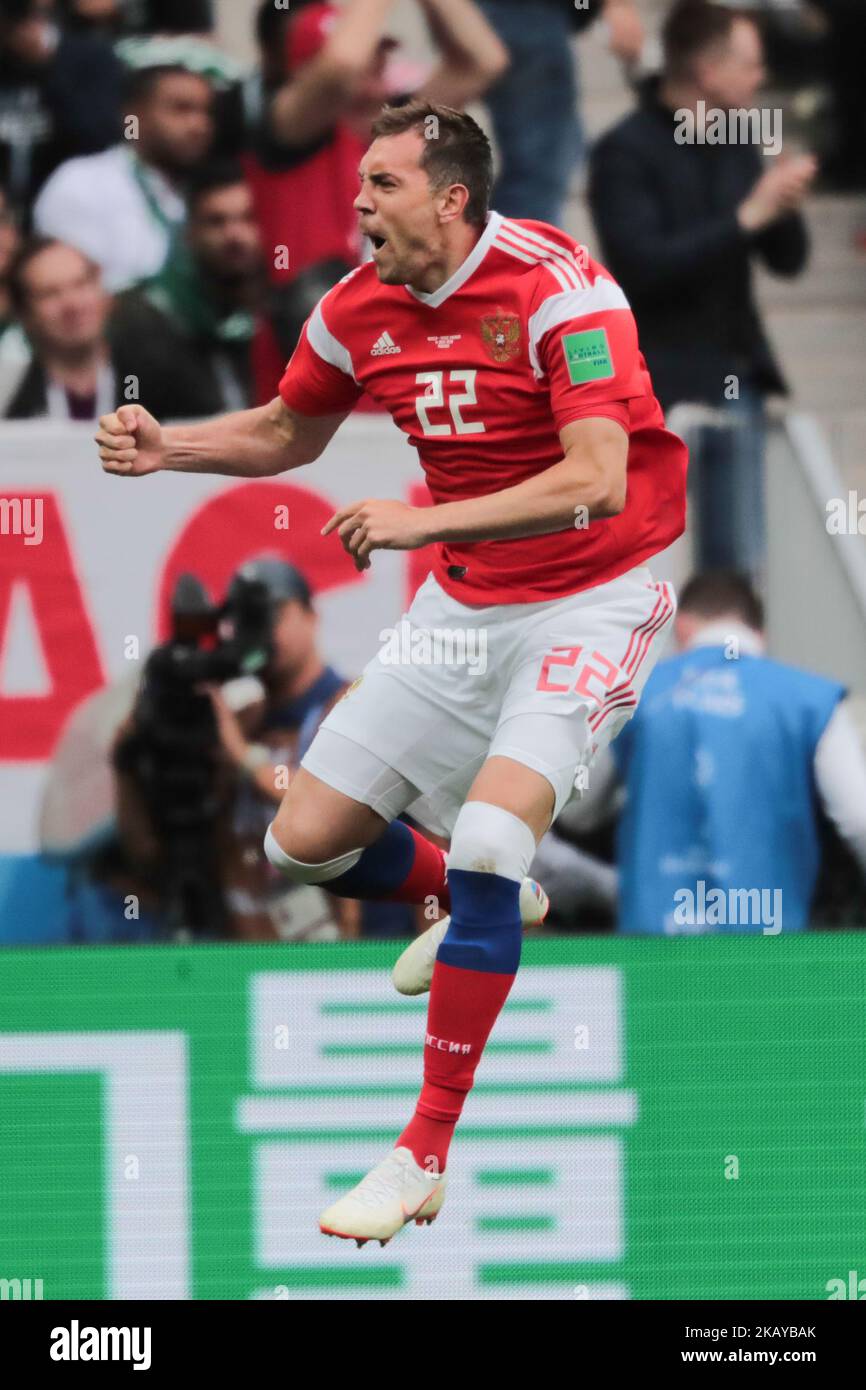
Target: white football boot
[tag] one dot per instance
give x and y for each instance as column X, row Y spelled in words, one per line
column 396, row 1191
column 413, row 973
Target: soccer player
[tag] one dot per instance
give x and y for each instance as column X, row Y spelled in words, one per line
column 510, row 359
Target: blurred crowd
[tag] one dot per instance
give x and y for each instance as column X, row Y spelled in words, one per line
column 168, row 220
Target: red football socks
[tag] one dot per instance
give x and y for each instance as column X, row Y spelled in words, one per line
column 464, row 1005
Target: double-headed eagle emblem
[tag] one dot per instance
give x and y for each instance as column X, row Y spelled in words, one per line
column 501, row 334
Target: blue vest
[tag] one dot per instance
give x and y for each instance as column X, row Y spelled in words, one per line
column 720, row 829
column 305, row 712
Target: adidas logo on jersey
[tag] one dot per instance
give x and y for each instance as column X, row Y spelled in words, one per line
column 384, row 347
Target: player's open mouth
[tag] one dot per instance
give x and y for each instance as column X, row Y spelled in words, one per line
column 377, row 241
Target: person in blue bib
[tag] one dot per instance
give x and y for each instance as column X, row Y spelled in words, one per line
column 725, row 765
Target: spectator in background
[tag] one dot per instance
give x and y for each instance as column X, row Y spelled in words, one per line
column 180, row 33
column 114, row 843
column 535, row 104
column 725, row 765
column 9, row 244
column 14, row 348
column 679, row 225
column 208, row 296
column 173, row 33
column 125, row 208
column 79, row 369
column 60, row 96
column 262, row 729
column 93, row 16
column 121, row 17
column 327, row 74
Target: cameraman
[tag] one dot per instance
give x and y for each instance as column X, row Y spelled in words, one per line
column 264, row 730
column 179, row 803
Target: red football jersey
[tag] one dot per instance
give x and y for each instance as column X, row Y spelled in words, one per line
column 529, row 334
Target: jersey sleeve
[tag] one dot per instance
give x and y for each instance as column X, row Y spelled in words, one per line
column 320, row 378
column 584, row 343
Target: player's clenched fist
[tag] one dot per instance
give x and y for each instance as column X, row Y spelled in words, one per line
column 130, row 441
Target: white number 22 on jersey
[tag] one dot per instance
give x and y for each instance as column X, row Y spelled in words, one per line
column 434, row 399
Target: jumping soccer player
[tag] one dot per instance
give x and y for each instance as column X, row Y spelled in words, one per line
column 510, row 358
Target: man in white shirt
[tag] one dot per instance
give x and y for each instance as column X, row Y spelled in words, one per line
column 125, row 208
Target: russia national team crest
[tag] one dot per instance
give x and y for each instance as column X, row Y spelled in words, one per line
column 501, row 334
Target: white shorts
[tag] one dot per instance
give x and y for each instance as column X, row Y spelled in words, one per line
column 547, row 684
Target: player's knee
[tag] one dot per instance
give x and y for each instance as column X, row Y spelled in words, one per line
column 490, row 840
column 304, row 870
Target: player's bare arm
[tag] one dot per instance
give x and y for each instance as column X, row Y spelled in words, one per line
column 591, row 476
column 247, row 444
column 309, row 102
column 473, row 55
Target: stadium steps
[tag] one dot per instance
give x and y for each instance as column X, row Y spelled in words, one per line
column 818, row 323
